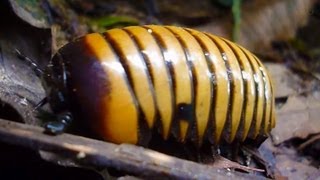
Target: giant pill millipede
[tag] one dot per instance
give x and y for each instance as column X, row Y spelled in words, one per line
column 186, row 84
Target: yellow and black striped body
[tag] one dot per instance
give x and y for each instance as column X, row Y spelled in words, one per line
column 185, row 83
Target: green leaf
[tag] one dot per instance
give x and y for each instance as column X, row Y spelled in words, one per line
column 236, row 12
column 114, row 21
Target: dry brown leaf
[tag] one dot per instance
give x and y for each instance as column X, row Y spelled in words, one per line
column 19, row 86
column 286, row 83
column 294, row 169
column 299, row 117
column 264, row 22
column 31, row 12
column 287, row 163
column 223, row 163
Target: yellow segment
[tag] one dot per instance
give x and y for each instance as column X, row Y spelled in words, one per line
column 120, row 123
column 138, row 72
column 268, row 96
column 247, row 75
column 174, row 54
column 203, row 77
column 237, row 101
column 221, row 84
column 183, row 129
column 158, row 70
column 260, row 96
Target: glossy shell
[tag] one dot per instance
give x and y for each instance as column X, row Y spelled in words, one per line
column 185, row 83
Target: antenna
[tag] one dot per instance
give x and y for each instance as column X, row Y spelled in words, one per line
column 32, row 63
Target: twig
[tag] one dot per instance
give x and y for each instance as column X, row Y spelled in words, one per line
column 308, row 142
column 129, row 158
column 226, row 163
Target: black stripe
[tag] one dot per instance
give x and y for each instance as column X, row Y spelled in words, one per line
column 227, row 129
column 245, row 90
column 192, row 131
column 254, row 120
column 145, row 132
column 137, row 42
column 162, row 46
column 210, row 128
column 120, row 56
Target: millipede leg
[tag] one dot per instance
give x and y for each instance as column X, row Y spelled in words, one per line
column 235, row 151
column 41, row 103
column 31, row 62
column 59, row 126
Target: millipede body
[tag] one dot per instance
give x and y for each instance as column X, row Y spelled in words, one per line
column 125, row 83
